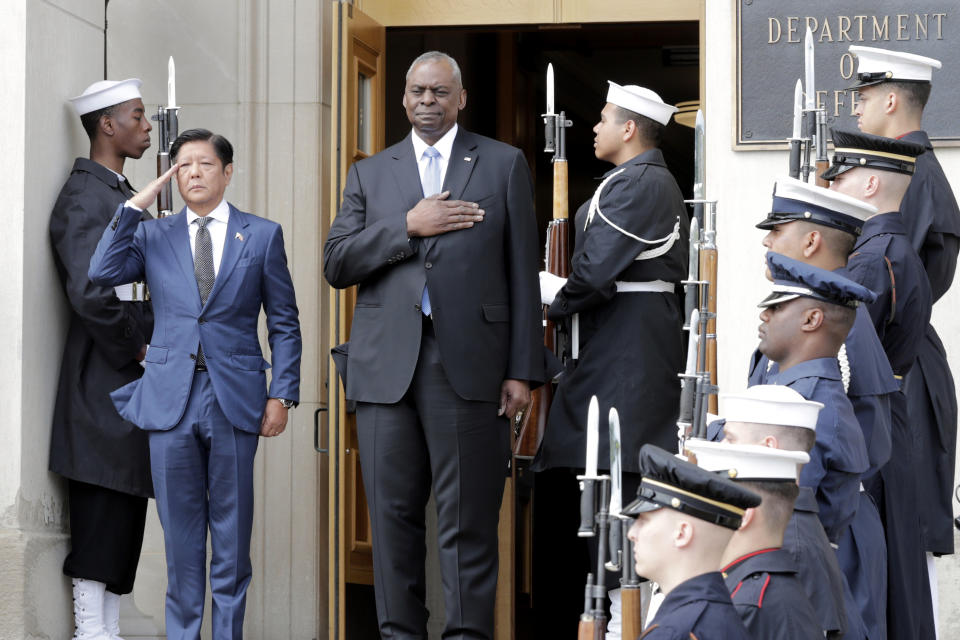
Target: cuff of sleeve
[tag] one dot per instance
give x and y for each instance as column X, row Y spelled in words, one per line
column 129, row 204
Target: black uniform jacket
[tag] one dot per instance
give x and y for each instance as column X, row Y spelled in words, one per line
column 483, row 286
column 769, row 597
column 932, row 217
column 817, row 567
column 698, row 609
column 631, row 344
column 884, row 262
column 90, row 441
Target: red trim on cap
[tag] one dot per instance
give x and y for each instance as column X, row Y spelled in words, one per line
column 749, row 555
column 763, row 591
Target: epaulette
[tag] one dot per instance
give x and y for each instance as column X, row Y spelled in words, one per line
column 751, row 590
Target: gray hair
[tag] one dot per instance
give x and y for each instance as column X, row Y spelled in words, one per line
column 431, row 56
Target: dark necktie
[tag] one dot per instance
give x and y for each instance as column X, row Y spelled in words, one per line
column 125, row 188
column 203, row 269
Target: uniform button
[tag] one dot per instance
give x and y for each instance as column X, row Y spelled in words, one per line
column 428, row 265
column 193, row 356
column 418, row 307
column 202, row 320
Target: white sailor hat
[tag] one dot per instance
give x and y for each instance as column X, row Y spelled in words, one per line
column 774, row 404
column 106, row 93
column 795, row 199
column 640, row 100
column 882, row 65
column 745, row 462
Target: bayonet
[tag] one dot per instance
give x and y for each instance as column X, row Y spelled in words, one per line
column 616, row 497
column 589, row 478
column 796, row 141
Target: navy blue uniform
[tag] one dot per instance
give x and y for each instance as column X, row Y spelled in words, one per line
column 631, row 343
column 932, row 218
column 837, row 461
column 769, row 598
column 884, row 261
column 699, row 608
column 872, row 385
column 818, row 570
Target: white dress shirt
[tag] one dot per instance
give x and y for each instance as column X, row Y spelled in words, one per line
column 217, row 228
column 444, row 147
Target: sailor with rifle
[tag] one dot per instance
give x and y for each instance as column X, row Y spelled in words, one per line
column 630, row 254
column 105, row 459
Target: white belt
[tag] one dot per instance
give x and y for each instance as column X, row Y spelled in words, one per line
column 653, row 286
column 132, row 292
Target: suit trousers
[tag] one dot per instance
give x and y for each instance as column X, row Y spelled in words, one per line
column 106, row 535
column 434, row 438
column 203, row 477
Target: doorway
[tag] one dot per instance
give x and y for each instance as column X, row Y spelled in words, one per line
column 503, row 71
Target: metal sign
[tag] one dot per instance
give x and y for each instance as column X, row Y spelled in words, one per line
column 769, row 37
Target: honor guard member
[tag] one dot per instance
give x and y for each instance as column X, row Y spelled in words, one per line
column 814, row 226
column 805, row 320
column 762, row 576
column 105, row 459
column 893, row 89
column 877, row 171
column 685, row 516
column 630, row 253
column 777, row 416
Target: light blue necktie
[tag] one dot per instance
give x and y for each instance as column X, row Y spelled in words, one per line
column 431, row 186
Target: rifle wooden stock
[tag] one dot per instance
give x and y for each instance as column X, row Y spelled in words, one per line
column 590, row 628
column 534, row 422
column 631, row 602
column 708, row 272
column 822, row 165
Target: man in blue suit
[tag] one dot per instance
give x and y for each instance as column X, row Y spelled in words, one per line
column 203, row 398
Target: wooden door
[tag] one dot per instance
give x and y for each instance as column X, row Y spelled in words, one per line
column 358, row 131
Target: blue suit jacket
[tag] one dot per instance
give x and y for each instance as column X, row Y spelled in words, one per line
column 253, row 274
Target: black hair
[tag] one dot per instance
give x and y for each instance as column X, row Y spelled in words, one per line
column 915, row 93
column 649, row 130
column 221, row 145
column 778, row 499
column 91, row 121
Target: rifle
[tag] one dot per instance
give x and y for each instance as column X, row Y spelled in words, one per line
column 701, row 296
column 169, row 124
column 620, row 548
column 814, row 121
column 533, row 423
column 594, row 521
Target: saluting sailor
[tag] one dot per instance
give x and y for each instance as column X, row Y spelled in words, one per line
column 762, row 576
column 685, row 517
column 893, row 88
column 877, row 170
column 630, row 253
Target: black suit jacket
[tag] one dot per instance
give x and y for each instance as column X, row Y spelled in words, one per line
column 483, row 283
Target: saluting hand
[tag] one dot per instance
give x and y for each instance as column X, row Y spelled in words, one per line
column 143, row 199
column 436, row 215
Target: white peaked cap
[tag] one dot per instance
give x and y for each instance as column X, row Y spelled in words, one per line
column 822, row 199
column 748, row 461
column 106, row 93
column 771, row 404
column 895, row 65
column 640, row 100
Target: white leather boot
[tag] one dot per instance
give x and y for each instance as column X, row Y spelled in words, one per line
column 88, row 610
column 111, row 615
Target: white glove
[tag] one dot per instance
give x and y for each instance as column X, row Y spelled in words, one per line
column 550, row 285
